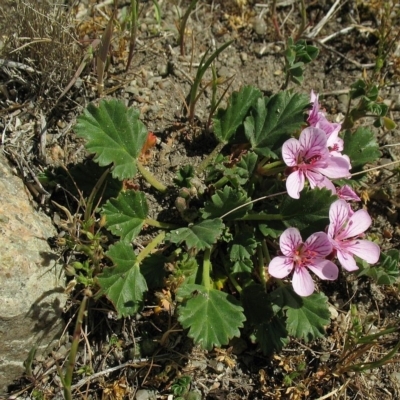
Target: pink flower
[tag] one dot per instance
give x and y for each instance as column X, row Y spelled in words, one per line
column 310, row 158
column 345, row 229
column 317, row 119
column 347, row 193
column 300, row 257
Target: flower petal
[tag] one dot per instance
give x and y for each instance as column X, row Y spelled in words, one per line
column 347, row 193
column 290, row 152
column 337, row 166
column 280, row 267
column 331, row 129
column 302, row 282
column 318, row 180
column 289, row 241
column 358, row 223
column 325, row 269
column 318, row 245
column 313, row 143
column 314, row 113
column 338, row 215
column 346, row 260
column 366, row 250
column 295, row 184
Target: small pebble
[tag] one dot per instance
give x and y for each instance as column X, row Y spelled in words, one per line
column 259, row 26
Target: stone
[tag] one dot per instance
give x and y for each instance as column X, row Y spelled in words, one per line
column 31, row 279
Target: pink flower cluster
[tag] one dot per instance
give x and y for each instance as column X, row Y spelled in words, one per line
column 316, row 156
column 343, row 240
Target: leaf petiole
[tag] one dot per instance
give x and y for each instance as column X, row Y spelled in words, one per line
column 150, row 178
column 150, row 247
column 206, row 269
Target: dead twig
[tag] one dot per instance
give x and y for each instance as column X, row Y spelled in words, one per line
column 336, row 5
column 350, row 60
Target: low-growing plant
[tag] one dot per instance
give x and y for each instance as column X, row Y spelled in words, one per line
column 288, row 178
column 275, row 199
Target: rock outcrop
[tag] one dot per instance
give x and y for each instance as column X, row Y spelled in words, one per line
column 31, row 280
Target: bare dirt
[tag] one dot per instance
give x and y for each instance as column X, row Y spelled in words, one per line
column 38, row 125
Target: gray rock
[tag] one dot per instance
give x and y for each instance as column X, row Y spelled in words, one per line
column 32, row 285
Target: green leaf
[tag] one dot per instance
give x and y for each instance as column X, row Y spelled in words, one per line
column 224, row 201
column 115, row 134
column 200, row 236
column 256, row 304
column 357, row 89
column 306, row 316
column 227, row 121
column 212, row 317
column 241, row 249
column 184, row 176
column 153, row 270
column 386, row 272
column 126, row 214
column 361, row 147
column 123, row 284
column 240, row 173
column 273, row 120
column 272, row 336
column 268, row 231
column 310, row 213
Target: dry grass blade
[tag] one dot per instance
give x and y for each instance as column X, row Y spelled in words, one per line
column 324, row 20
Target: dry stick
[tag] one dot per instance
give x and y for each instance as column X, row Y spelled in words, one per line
column 324, row 20
column 341, row 32
column 109, row 370
column 356, row 63
column 333, row 392
column 375, row 168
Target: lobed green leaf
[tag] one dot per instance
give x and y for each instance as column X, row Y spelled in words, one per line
column 212, row 317
column 227, row 121
column 273, row 120
column 199, row 236
column 123, row 285
column 361, row 147
column 307, row 317
column 126, row 214
column 115, row 134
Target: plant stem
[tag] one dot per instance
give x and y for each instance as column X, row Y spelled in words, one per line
column 267, row 257
column 222, row 182
column 260, row 262
column 303, row 20
column 159, row 224
column 150, row 178
column 182, row 26
column 206, row 269
column 209, row 158
column 67, row 379
column 199, row 76
column 134, row 25
column 150, row 247
column 261, row 217
column 271, row 168
column 93, row 194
